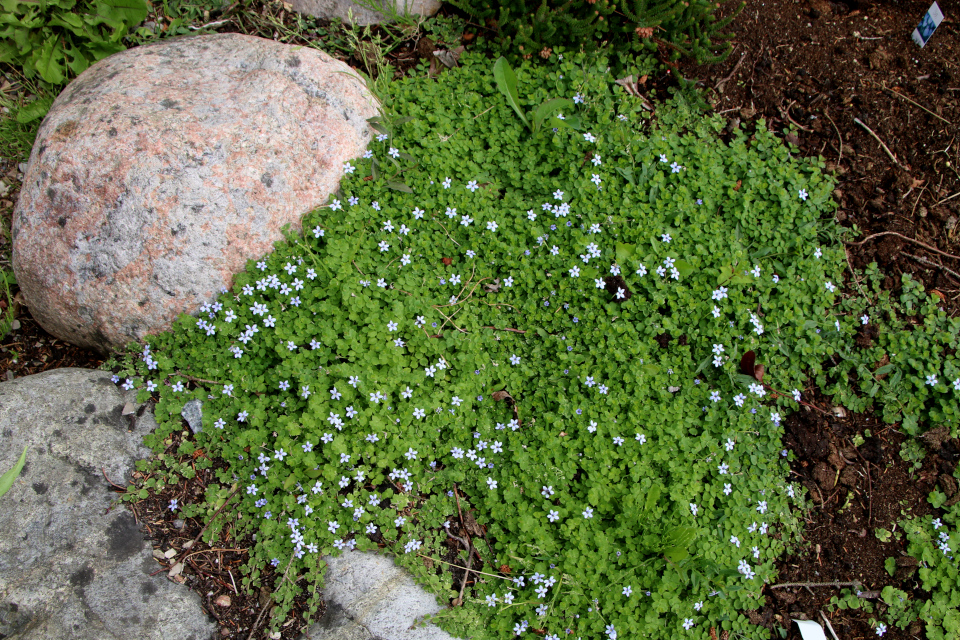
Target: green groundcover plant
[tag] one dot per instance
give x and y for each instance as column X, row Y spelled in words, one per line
column 550, row 328
column 684, row 28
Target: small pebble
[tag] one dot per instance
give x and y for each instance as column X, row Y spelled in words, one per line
column 178, row 524
column 222, row 601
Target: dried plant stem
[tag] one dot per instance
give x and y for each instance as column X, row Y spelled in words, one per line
column 839, row 137
column 446, row 232
column 855, row 583
column 225, row 503
column 900, row 235
column 505, row 329
column 882, row 144
column 916, row 104
column 193, row 379
column 450, row 564
column 829, row 626
column 931, row 263
column 266, row 607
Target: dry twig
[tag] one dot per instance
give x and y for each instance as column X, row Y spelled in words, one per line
column 900, row 235
column 829, row 626
column 882, row 144
column 931, row 263
column 916, row 104
column 783, row 585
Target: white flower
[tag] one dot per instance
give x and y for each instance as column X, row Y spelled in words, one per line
column 491, row 483
column 931, row 380
column 348, row 168
column 514, row 359
column 688, row 623
column 803, row 194
column 446, row 183
column 641, row 438
column 600, row 284
column 595, row 179
column 588, row 513
column 491, row 226
column 830, row 286
column 693, row 508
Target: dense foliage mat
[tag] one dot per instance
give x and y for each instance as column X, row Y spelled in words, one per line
column 590, row 330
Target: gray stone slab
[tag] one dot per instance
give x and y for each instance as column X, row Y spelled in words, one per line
column 72, row 564
column 370, row 598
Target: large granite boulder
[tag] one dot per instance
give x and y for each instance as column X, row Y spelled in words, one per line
column 73, row 564
column 161, row 170
column 353, row 13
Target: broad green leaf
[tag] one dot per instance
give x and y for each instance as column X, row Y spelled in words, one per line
column 625, row 252
column 549, row 109
column 653, row 495
column 34, row 110
column 7, row 479
column 398, row 186
column 684, row 267
column 48, row 61
column 122, row 13
column 626, row 173
column 507, row 84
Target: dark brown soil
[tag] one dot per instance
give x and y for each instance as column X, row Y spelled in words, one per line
column 816, row 66
column 819, row 66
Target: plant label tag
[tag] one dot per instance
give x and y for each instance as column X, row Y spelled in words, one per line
column 810, row 630
column 931, row 20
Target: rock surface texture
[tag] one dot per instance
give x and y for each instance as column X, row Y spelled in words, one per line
column 344, row 9
column 370, row 598
column 70, row 566
column 161, row 170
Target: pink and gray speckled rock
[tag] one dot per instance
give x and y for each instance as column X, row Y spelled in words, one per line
column 161, row 170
